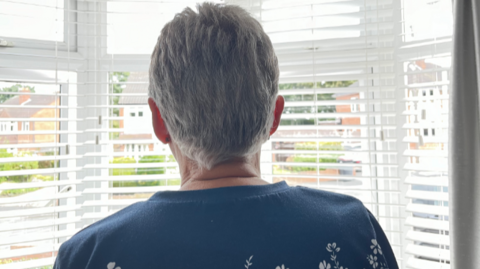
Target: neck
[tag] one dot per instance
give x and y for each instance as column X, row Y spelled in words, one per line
column 235, row 172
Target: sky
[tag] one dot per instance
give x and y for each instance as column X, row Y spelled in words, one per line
column 35, row 19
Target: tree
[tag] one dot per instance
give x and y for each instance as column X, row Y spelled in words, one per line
column 309, row 97
column 117, row 78
column 322, row 84
column 335, row 84
column 14, row 88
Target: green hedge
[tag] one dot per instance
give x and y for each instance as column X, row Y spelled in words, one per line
column 123, row 171
column 151, row 170
column 16, row 166
column 321, row 146
column 23, row 166
column 143, row 171
column 312, row 158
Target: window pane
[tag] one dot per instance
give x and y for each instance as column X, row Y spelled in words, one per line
column 37, row 163
column 427, row 19
column 138, row 164
column 33, row 19
column 126, row 18
column 426, row 90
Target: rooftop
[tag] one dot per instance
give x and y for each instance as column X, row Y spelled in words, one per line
column 27, row 109
column 136, row 92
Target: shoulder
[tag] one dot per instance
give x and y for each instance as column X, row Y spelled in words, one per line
column 77, row 251
column 345, row 212
column 119, row 220
column 328, row 199
column 355, row 228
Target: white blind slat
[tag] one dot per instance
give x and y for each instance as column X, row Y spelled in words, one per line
column 36, row 237
column 433, row 253
column 423, row 263
column 36, row 224
column 29, row 264
column 428, row 238
column 29, row 251
column 36, row 211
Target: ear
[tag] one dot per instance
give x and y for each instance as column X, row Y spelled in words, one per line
column 158, row 124
column 279, row 105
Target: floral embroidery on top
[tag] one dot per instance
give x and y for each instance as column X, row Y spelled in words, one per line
column 248, row 262
column 334, row 250
column 373, row 259
column 324, row 265
column 112, row 266
column 376, row 247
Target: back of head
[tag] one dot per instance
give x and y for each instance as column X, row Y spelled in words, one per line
column 214, row 78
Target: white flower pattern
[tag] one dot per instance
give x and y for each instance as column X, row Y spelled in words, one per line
column 248, row 262
column 324, row 265
column 373, row 261
column 376, row 247
column 112, row 266
column 334, row 250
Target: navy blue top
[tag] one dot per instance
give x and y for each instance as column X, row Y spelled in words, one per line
column 270, row 226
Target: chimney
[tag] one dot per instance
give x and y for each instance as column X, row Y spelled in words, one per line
column 24, row 97
column 422, row 64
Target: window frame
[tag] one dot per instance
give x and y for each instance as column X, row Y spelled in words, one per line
column 64, row 161
column 69, row 42
column 416, row 49
column 79, row 58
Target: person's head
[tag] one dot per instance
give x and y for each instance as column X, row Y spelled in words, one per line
column 213, row 84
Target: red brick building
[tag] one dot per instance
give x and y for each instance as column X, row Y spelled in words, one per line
column 19, row 109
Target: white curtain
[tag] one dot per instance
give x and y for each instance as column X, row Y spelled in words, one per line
column 464, row 146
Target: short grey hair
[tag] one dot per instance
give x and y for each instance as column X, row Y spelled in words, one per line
column 214, row 77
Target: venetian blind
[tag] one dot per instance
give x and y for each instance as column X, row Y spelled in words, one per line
column 362, row 84
column 424, row 61
column 39, row 130
column 127, row 163
column 339, row 130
